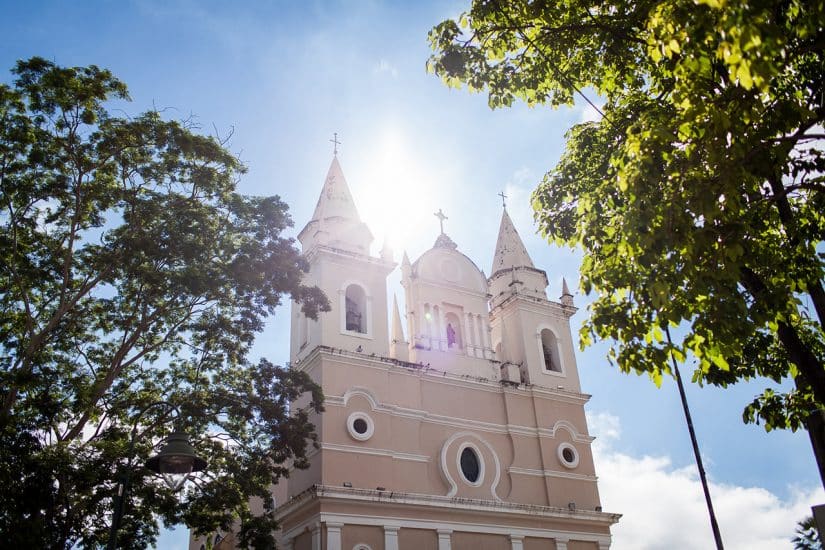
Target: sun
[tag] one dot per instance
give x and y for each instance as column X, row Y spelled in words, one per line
column 395, row 193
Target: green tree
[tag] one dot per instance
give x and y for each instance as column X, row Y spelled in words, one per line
column 132, row 271
column 698, row 198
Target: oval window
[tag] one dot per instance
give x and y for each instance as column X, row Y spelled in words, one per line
column 470, row 466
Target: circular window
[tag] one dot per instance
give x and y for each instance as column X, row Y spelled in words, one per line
column 568, row 455
column 360, row 426
column 470, row 464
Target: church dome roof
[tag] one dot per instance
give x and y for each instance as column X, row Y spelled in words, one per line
column 443, row 264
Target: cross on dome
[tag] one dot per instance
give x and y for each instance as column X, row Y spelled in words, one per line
column 503, row 198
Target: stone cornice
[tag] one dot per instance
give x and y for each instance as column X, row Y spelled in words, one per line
column 329, row 492
column 415, row 369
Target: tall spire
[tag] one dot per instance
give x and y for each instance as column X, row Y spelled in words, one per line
column 335, row 200
column 510, row 250
column 399, row 348
column 335, row 221
column 566, row 297
column 397, row 328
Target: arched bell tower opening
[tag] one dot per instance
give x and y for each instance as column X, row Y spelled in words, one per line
column 355, row 309
column 550, row 351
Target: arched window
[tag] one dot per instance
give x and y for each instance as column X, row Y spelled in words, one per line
column 356, row 309
column 453, row 331
column 550, row 351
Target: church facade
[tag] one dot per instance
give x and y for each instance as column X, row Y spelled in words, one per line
column 458, row 426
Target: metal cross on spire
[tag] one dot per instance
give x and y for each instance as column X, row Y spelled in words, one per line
column 335, row 143
column 441, row 217
column 503, row 197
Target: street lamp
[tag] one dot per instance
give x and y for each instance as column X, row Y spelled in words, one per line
column 175, row 462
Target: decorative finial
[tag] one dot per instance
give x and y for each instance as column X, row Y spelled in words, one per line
column 441, row 217
column 503, row 197
column 335, row 143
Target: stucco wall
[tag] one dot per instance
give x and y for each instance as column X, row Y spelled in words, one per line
column 479, row 541
column 417, row 539
column 364, row 534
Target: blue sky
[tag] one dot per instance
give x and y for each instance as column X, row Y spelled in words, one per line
column 283, row 76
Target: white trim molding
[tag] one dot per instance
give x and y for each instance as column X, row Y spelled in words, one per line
column 445, row 471
column 560, row 452
column 353, row 432
column 479, row 458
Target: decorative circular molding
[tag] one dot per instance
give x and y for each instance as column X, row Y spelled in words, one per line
column 478, row 444
column 360, row 426
column 568, row 455
column 472, row 448
column 362, row 546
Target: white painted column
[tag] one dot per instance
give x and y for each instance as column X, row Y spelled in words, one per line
column 486, row 334
column 516, row 542
column 604, row 545
column 334, row 535
column 438, row 337
column 468, row 349
column 480, row 335
column 342, row 310
column 444, row 541
column 390, row 537
column 316, row 536
column 369, row 313
column 561, row 544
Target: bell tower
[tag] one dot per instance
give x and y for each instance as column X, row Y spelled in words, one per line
column 531, row 334
column 336, row 244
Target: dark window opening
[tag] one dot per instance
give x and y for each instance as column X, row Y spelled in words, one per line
column 355, row 303
column 470, row 466
column 550, row 350
column 360, row 426
column 568, row 454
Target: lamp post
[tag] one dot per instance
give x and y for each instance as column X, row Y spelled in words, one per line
column 175, row 462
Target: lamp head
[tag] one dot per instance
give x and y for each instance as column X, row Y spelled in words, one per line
column 176, row 460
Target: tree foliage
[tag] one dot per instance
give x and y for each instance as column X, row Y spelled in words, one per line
column 807, row 537
column 698, row 197
column 132, row 271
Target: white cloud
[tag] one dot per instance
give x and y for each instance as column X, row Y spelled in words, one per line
column 663, row 505
column 384, row 66
column 590, row 114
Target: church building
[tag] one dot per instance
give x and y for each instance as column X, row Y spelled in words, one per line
column 459, row 425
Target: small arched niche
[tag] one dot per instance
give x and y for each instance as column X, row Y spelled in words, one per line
column 550, row 351
column 452, row 330
column 355, row 312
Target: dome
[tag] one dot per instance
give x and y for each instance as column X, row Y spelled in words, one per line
column 445, row 265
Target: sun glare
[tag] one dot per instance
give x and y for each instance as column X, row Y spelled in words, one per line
column 395, row 195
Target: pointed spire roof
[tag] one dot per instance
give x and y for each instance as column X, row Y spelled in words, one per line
column 510, row 250
column 397, row 327
column 335, row 200
column 336, row 222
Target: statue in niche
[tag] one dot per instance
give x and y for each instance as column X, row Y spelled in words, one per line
column 450, row 335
